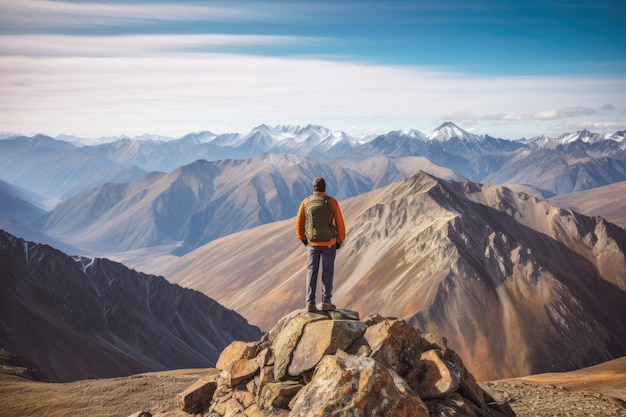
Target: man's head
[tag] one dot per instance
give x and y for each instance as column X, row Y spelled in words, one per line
column 319, row 184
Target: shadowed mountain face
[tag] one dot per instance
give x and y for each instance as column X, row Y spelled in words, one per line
column 17, row 205
column 78, row 318
column 518, row 286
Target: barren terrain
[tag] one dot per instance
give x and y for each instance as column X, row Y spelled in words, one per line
column 594, row 391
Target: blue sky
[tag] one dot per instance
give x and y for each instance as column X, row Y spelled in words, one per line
column 505, row 68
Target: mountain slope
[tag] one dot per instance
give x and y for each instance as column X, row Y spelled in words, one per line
column 19, row 207
column 207, row 200
column 18, row 204
column 56, row 169
column 607, row 201
column 78, row 318
column 512, row 281
column 563, row 170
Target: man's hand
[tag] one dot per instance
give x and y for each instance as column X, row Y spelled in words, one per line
column 304, row 242
column 338, row 244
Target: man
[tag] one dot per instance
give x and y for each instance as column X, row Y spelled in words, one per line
column 320, row 227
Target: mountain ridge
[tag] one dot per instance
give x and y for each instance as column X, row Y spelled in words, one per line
column 206, row 200
column 55, row 171
column 450, row 257
column 63, row 312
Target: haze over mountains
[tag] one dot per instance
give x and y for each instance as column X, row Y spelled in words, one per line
column 107, row 185
column 207, row 200
column 27, row 161
column 511, row 279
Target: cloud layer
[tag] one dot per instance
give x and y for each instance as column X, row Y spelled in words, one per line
column 60, row 72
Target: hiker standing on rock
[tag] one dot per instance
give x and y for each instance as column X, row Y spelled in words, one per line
column 320, row 227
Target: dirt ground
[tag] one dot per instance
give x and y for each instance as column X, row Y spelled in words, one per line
column 591, row 392
column 153, row 392
column 598, row 391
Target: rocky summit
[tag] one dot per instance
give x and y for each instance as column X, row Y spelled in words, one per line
column 335, row 364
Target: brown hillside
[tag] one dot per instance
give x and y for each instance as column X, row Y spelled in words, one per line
column 511, row 280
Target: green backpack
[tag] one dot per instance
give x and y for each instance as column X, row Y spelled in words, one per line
column 319, row 225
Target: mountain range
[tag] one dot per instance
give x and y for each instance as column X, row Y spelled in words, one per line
column 438, row 233
column 108, row 202
column 517, row 285
column 206, row 200
column 58, row 169
column 80, row 318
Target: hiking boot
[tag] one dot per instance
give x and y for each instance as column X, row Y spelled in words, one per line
column 311, row 308
column 328, row 307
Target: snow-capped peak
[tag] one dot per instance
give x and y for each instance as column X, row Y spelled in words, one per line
column 581, row 135
column 449, row 130
column 407, row 133
column 617, row 136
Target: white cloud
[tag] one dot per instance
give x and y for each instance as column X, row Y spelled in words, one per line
column 57, row 14
column 98, row 86
column 562, row 113
column 52, row 45
column 608, row 126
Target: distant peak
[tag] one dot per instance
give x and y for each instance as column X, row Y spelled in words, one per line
column 447, row 125
column 449, row 130
column 262, row 127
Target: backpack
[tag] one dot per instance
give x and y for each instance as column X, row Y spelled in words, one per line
column 318, row 219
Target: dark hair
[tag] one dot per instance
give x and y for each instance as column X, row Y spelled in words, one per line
column 319, row 184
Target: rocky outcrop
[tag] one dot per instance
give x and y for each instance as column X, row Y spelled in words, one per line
column 335, row 364
column 17, row 365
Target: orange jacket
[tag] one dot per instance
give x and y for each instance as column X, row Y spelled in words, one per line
column 337, row 220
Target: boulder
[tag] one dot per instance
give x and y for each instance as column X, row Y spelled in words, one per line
column 197, row 397
column 440, row 377
column 236, row 350
column 242, row 370
column 285, row 338
column 343, row 383
column 397, row 345
column 279, row 394
column 323, row 338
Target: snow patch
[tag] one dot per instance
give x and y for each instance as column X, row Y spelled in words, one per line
column 84, row 262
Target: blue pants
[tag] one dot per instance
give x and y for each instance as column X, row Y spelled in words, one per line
column 327, row 256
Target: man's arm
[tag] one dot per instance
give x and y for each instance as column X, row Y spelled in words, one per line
column 300, row 233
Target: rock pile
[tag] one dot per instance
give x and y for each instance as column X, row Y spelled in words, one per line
column 334, row 364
